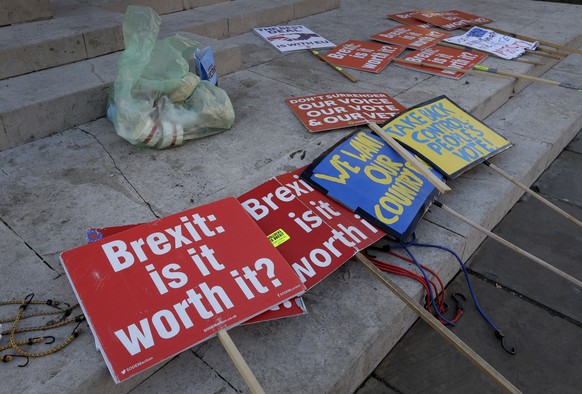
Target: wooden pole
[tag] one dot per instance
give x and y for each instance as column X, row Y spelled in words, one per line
column 240, row 363
column 540, row 53
column 337, row 68
column 469, row 49
column 533, row 194
column 432, row 178
column 461, row 346
column 546, row 43
column 510, row 245
column 483, row 70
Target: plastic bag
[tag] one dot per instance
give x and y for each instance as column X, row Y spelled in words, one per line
column 156, row 101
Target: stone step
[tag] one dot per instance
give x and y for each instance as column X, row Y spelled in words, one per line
column 76, row 93
column 72, row 36
column 22, row 11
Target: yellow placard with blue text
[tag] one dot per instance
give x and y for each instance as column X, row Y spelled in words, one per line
column 448, row 138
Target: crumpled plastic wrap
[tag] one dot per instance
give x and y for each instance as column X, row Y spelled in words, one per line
column 156, row 101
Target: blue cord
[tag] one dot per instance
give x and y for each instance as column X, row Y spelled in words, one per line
column 432, row 300
column 466, row 278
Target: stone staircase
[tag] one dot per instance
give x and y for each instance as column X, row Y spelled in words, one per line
column 56, row 73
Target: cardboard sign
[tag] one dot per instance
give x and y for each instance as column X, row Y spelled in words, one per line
column 315, row 234
column 338, row 110
column 444, row 56
column 471, row 18
column 445, row 136
column 489, row 41
column 157, row 289
column 363, row 55
column 290, row 308
column 407, row 18
column 366, row 175
column 445, row 20
column 292, row 38
column 411, row 37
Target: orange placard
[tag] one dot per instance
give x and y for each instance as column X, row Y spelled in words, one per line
column 407, row 19
column 449, row 20
column 411, row 37
column 363, row 55
column 443, row 56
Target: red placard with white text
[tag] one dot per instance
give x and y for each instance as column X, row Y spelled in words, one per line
column 315, row 234
column 444, row 56
column 363, row 55
column 471, row 18
column 332, row 111
column 157, row 289
column 407, row 18
column 290, row 308
column 411, row 37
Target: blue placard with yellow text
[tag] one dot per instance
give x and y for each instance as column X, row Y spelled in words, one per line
column 447, row 137
column 366, row 175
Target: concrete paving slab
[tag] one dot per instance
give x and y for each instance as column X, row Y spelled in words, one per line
column 547, row 235
column 186, row 364
column 54, row 189
column 547, row 358
column 576, row 144
column 375, row 386
column 552, row 183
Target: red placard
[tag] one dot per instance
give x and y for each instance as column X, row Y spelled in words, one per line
column 407, row 18
column 338, row 110
column 157, row 289
column 315, row 234
column 363, row 55
column 292, row 307
column 471, row 18
column 450, row 20
column 411, row 37
column 444, row 56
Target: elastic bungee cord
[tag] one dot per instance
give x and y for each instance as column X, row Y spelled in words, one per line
column 16, row 344
column 434, row 302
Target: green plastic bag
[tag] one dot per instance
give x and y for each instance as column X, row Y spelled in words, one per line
column 156, row 101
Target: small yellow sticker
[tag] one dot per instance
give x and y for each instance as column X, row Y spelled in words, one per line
column 278, row 237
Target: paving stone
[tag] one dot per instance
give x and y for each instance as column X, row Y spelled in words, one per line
column 552, row 184
column 12, row 12
column 374, row 386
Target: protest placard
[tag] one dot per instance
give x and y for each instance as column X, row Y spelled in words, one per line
column 343, row 109
column 315, row 234
column 443, row 56
column 157, row 289
column 292, row 38
column 407, row 19
column 289, row 308
column 449, row 20
column 489, row 41
column 445, row 136
column 363, row 55
column 413, row 37
column 471, row 18
column 373, row 180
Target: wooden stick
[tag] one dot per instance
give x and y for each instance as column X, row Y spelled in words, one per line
column 546, row 43
column 547, row 50
column 533, row 194
column 540, row 53
column 461, row 346
column 240, row 363
column 432, row 178
column 449, row 45
column 338, row 68
column 510, row 245
column 493, row 71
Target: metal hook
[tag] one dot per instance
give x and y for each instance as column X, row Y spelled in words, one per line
column 27, row 300
column 52, row 339
column 459, row 303
column 8, row 357
column 501, row 337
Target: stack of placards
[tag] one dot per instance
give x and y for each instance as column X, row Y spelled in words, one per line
column 412, row 37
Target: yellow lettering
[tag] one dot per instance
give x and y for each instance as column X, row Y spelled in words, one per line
column 341, row 166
